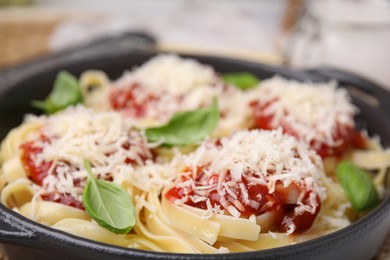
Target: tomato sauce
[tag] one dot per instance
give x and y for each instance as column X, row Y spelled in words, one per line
column 37, row 172
column 346, row 136
column 279, row 202
column 125, row 99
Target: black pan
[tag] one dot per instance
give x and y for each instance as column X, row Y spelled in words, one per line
column 26, row 239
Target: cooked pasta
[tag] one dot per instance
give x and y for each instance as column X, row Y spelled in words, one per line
column 264, row 178
column 151, row 94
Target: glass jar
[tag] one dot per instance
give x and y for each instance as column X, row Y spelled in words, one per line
column 345, row 34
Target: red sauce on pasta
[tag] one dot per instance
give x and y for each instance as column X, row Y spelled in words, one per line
column 278, row 202
column 39, row 170
column 345, row 136
column 126, row 99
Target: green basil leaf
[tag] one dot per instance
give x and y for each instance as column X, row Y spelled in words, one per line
column 358, row 186
column 186, row 127
column 66, row 92
column 241, row 80
column 108, row 204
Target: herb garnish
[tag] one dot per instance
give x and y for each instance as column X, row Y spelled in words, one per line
column 66, row 92
column 358, row 186
column 186, row 127
column 108, row 204
column 241, row 80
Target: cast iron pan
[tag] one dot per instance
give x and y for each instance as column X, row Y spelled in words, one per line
column 26, row 239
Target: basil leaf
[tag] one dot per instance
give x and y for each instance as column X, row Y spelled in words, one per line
column 108, row 204
column 358, row 186
column 186, row 127
column 66, row 92
column 242, row 80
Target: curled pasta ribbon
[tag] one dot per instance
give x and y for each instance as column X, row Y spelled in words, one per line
column 223, row 232
column 17, row 193
column 192, row 221
column 12, row 170
column 51, row 212
column 91, row 230
column 151, row 226
column 195, row 243
column 140, row 242
column 264, row 241
column 10, row 146
column 371, row 160
column 94, row 85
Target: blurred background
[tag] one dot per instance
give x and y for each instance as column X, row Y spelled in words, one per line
column 353, row 35
column 350, row 34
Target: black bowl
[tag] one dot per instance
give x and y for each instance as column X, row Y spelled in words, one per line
column 25, row 239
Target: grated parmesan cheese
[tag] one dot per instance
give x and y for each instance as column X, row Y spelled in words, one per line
column 176, row 74
column 115, row 150
column 167, row 84
column 175, row 84
column 313, row 111
column 262, row 157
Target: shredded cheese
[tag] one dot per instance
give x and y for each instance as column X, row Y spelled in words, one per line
column 263, row 157
column 167, row 84
column 116, row 151
column 312, row 110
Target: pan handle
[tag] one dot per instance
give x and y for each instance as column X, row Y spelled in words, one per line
column 111, row 46
column 13, row 230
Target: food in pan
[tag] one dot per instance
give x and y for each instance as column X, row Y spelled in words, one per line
column 151, row 94
column 321, row 116
column 176, row 157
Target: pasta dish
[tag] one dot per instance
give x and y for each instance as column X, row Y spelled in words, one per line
column 176, row 157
